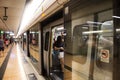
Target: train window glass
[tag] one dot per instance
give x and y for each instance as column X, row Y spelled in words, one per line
column 80, row 41
column 105, row 16
column 46, row 41
column 105, row 41
column 34, row 46
column 87, row 64
column 25, row 42
column 78, row 46
column 104, row 50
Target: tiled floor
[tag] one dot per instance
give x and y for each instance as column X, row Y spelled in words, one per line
column 14, row 70
column 17, row 68
column 3, row 55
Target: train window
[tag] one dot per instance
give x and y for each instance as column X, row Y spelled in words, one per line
column 80, row 43
column 105, row 43
column 78, row 46
column 24, row 42
column 79, row 40
column 34, row 46
column 46, row 41
column 104, row 16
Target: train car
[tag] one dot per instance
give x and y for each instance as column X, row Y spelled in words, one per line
column 89, row 40
column 91, row 34
column 52, row 64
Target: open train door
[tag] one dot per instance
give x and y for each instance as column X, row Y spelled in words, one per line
column 55, row 62
column 47, row 39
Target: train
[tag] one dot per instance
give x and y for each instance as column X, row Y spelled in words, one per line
column 91, row 41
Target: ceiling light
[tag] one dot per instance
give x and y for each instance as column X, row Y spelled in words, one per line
column 5, row 16
column 116, row 17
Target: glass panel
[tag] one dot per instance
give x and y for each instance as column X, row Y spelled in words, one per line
column 34, row 46
column 80, row 45
column 25, row 42
column 105, row 44
column 78, row 49
column 105, row 16
column 46, row 41
column 89, row 52
column 104, row 51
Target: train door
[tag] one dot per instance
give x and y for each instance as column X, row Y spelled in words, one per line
column 104, row 47
column 46, row 40
column 78, row 49
column 55, row 60
column 89, row 40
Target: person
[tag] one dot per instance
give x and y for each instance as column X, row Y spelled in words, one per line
column 33, row 41
column 1, row 46
column 7, row 43
column 58, row 46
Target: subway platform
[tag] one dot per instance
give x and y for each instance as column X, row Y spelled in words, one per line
column 14, row 65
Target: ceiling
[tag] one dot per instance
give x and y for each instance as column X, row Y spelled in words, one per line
column 14, row 13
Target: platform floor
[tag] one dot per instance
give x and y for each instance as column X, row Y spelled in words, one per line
column 14, row 65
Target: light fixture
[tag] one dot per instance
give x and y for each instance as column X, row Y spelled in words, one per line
column 5, row 16
column 118, row 17
column 60, row 28
column 92, row 22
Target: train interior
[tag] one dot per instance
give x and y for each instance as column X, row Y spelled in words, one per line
column 55, row 64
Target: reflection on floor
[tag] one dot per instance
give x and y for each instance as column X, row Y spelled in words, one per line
column 14, row 70
column 56, row 73
column 56, row 70
column 68, row 75
column 34, row 52
column 34, row 56
column 72, row 69
column 76, row 58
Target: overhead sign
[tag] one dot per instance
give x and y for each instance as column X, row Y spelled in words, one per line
column 2, row 32
column 105, row 55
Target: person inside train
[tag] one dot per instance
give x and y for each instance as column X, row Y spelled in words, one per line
column 58, row 47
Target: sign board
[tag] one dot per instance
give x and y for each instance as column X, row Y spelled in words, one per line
column 2, row 32
column 104, row 55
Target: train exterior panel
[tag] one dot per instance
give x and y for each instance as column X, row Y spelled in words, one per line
column 90, row 32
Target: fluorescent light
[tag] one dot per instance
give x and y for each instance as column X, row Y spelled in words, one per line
column 29, row 14
column 32, row 32
column 2, row 32
column 7, row 31
column 25, row 34
column 85, row 27
column 11, row 34
column 117, row 30
column 100, row 31
column 60, row 28
column 91, row 32
column 116, row 17
column 91, row 22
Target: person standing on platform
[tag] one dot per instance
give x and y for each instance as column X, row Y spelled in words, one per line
column 7, row 42
column 1, row 46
